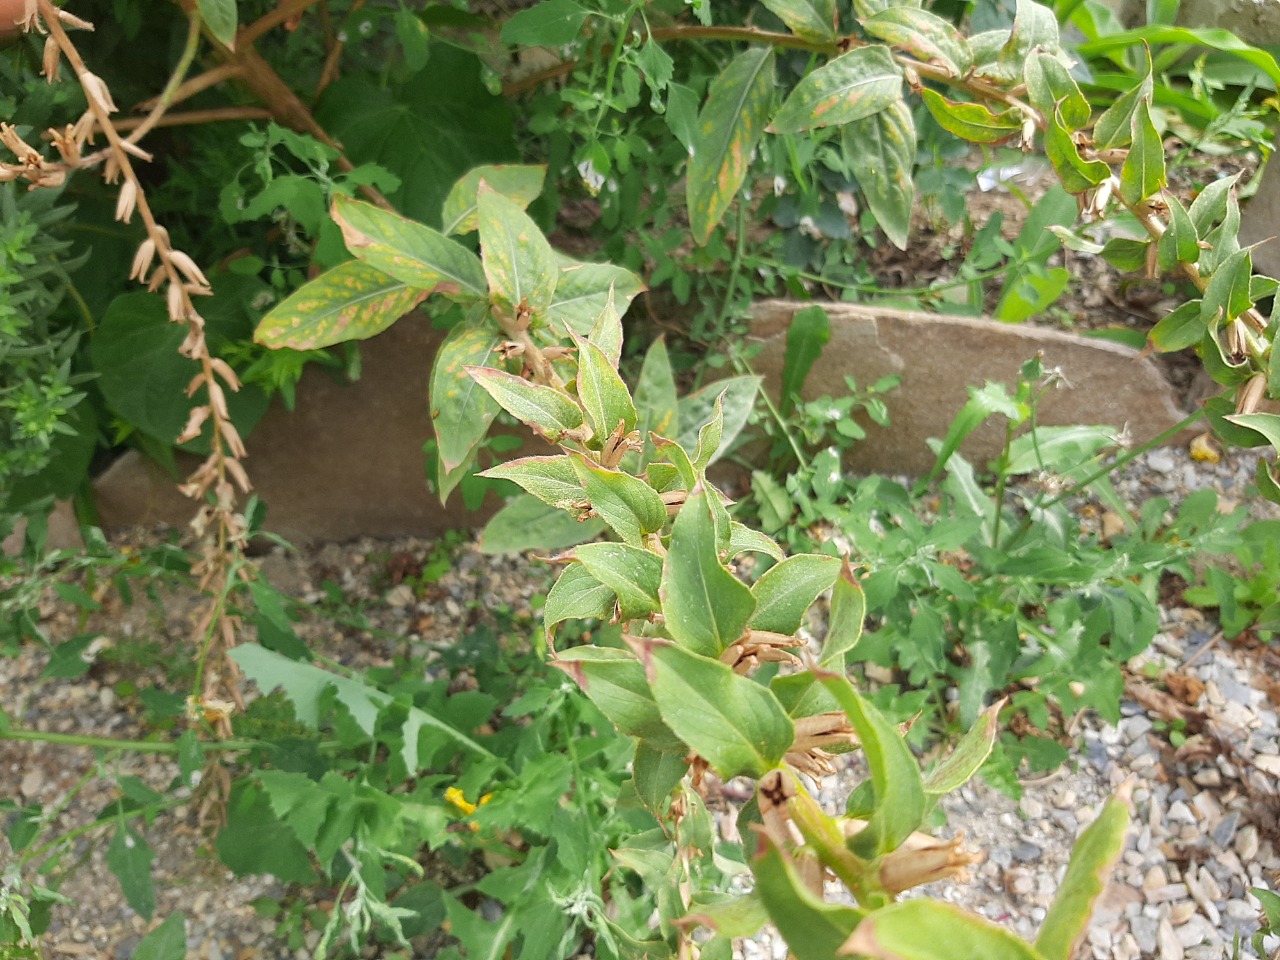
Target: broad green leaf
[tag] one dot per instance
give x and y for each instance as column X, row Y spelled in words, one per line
column 807, row 334
column 461, row 410
column 1267, row 424
column 550, row 412
column 655, row 394
column 221, row 19
column 1222, row 241
column 551, row 23
column 1179, row 243
column 606, row 332
column 743, row 539
column 984, row 402
column 737, row 397
column 734, row 723
column 655, row 774
column 810, row 19
column 630, row 572
column 1143, row 173
column 300, row 802
column 408, row 251
column 729, row 127
column 584, row 290
column 845, row 619
column 528, row 523
column 353, row 301
column 788, row 589
column 730, row 915
column 1050, row 85
column 1269, row 488
column 1058, row 449
column 882, row 151
column 869, row 8
column 1034, row 25
column 627, row 504
column 520, row 266
column 1227, row 294
column 971, row 121
column 253, row 840
column 604, row 396
column 1211, row 205
column 1114, row 128
column 1092, row 859
column 1075, row 172
column 933, row 930
column 519, row 183
column 895, row 776
column 129, row 857
column 551, row 479
column 812, row 928
column 576, row 595
column 986, row 46
column 1217, row 39
column 706, row 607
column 966, row 758
column 924, row 35
column 166, row 942
column 1182, row 328
column 853, row 86
column 615, row 682
column 710, row 436
column 1125, row 253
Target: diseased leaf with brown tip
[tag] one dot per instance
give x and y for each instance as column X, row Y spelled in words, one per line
column 461, row 409
column 855, row 85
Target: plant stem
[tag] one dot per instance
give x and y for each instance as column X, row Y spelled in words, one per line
column 114, row 743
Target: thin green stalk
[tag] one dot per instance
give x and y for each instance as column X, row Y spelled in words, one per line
column 112, row 743
column 84, row 828
column 1002, row 479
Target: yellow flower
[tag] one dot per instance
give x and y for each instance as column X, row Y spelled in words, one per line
column 456, row 797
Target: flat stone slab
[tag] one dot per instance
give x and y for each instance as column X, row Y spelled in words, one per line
column 1260, row 221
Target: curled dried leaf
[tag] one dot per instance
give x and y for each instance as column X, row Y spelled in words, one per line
column 188, row 268
column 95, row 88
column 195, row 420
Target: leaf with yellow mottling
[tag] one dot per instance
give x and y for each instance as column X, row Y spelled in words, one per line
column 461, row 410
column 517, row 182
column 853, row 86
column 585, row 289
column 972, row 121
column 924, row 35
column 353, row 301
column 811, row 19
column 882, row 153
column 519, row 263
column 729, row 127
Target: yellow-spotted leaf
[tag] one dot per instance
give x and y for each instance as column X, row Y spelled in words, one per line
column 854, row 85
column 584, row 290
column 551, row 479
column 548, row 411
column 729, row 127
column 461, row 409
column 519, row 263
column 882, row 151
column 924, row 35
column 518, row 183
column 811, row 19
column 604, row 396
column 353, row 301
column 971, row 121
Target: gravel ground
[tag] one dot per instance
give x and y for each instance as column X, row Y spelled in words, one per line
column 1207, row 817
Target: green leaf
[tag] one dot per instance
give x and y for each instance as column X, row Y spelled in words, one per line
column 254, row 840
column 576, row 595
column 166, row 942
column 551, row 23
column 933, row 930
column 706, row 607
column 1217, row 39
column 1267, row 424
column 788, row 589
column 882, row 152
column 731, row 721
column 551, row 479
column 971, row 121
column 519, row 263
column 550, row 412
column 1034, row 25
column 853, row 86
column 527, row 523
column 869, row 8
column 1179, row 243
column 732, row 916
column 615, row 682
column 627, row 504
column 584, row 290
column 606, row 332
column 810, row 19
column 655, row 394
column 408, row 251
column 1184, row 327
column 461, row 410
column 519, row 183
column 221, row 19
column 1114, row 128
column 807, row 335
column 710, row 436
column 1126, row 254
column 1143, row 173
column 895, row 775
column 984, row 402
column 300, row 802
column 743, row 539
column 1050, row 86
column 129, row 858
column 812, row 928
column 1075, row 172
column 1227, row 294
column 926, row 36
column 1211, row 205
column 967, row 758
column 1092, row 859
column 630, row 572
column 655, row 774
column 604, row 396
column 729, row 127
column 845, row 619
column 1270, row 904
column 736, row 396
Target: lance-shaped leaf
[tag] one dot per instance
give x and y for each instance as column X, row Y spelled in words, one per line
column 811, row 19
column 744, row 539
column 545, row 409
column 628, row 505
column 729, row 127
column 788, row 589
column 971, row 121
column 869, row 8
column 353, row 301
column 807, row 336
column 1092, row 859
column 967, row 758
column 812, row 928
column 1143, row 173
column 1179, row 243
column 527, row 523
column 221, row 19
column 462, row 410
column 518, row 262
column 655, row 394
column 1114, row 128
column 409, row 251
column 736, row 397
column 1211, row 205
column 1269, row 488
column 933, row 930
column 854, row 85
column 845, row 619
column 1075, row 172
column 518, row 183
column 606, row 332
column 604, row 396
column 731, row 721
column 615, row 682
column 706, row 607
column 551, row 479
column 1034, row 25
column 632, row 573
column 1217, row 39
column 1050, row 85
column 924, row 35
column 882, row 152
column 895, row 776
column 585, row 289
column 1184, row 327
column 655, row 773
column 1227, row 294
column 710, row 436
column 576, row 595
column 1267, row 424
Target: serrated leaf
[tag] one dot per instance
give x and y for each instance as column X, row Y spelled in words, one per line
column 527, row 523
column 551, row 23
column 547, row 410
column 166, row 942
column 812, row 928
column 627, row 504
column 408, row 251
column 729, row 127
column 933, row 930
column 634, row 574
column 583, row 291
column 845, row 619
column 810, row 19
column 1143, row 173
column 882, row 152
column 604, row 396
column 518, row 261
column 853, row 86
column 615, row 682
column 353, row 301
column 731, row 721
column 971, row 121
column 576, row 595
column 1050, row 85
column 706, row 607
column 519, row 183
column 462, row 410
column 129, row 858
column 924, row 35
column 551, row 479
column 221, row 18
column 298, row 801
column 788, row 589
